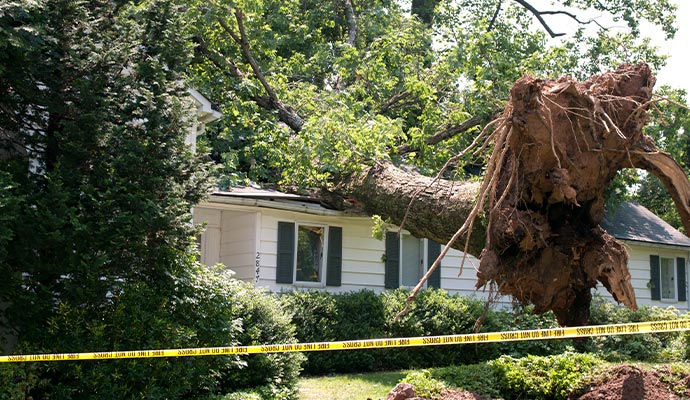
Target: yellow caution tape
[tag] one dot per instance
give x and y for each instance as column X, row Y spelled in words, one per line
column 511, row 336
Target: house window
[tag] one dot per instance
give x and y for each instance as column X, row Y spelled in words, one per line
column 668, row 279
column 407, row 260
column 309, row 254
column 310, row 250
column 411, row 261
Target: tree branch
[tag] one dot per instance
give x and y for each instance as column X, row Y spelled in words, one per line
column 493, row 19
column 242, row 41
column 286, row 114
column 538, row 14
column 393, row 102
column 351, row 22
column 546, row 26
column 445, row 134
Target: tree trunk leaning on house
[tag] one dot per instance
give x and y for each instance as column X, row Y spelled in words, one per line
column 557, row 146
column 534, row 220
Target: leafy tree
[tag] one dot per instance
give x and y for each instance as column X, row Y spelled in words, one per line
column 97, row 180
column 358, row 98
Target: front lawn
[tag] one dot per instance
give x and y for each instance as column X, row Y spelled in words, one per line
column 373, row 385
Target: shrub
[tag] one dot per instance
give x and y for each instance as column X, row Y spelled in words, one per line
column 197, row 308
column 434, row 312
column 645, row 347
column 321, row 316
column 476, row 378
column 425, row 385
column 537, row 377
column 524, row 318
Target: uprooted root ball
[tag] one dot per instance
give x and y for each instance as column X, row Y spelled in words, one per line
column 558, row 145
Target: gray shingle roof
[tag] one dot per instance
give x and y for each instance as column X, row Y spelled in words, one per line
column 631, row 221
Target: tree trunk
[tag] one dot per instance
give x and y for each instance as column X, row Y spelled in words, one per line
column 427, row 208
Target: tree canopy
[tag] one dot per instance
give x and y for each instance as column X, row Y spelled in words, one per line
column 311, row 91
column 324, row 96
column 97, row 181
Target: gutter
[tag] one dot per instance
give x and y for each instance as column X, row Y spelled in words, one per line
column 657, row 245
column 215, row 200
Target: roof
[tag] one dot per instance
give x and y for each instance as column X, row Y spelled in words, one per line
column 253, row 197
column 631, row 221
column 265, row 194
column 205, row 110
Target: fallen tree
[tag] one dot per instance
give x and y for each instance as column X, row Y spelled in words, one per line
column 359, row 109
column 536, row 215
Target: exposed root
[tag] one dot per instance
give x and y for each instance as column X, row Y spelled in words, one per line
column 557, row 146
column 544, row 245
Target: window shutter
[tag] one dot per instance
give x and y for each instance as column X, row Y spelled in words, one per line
column 392, row 271
column 285, row 264
column 655, row 268
column 680, row 275
column 334, row 266
column 433, row 251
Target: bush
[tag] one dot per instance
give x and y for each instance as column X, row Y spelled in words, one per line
column 434, row 312
column 524, row 318
column 425, row 385
column 476, row 378
column 321, row 316
column 537, row 377
column 653, row 347
column 198, row 308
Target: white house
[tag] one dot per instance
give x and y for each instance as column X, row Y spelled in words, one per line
column 658, row 255
column 282, row 241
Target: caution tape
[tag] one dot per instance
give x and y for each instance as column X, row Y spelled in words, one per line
column 510, row 336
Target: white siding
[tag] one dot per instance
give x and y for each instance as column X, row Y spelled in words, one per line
column 238, row 242
column 243, row 239
column 639, row 267
column 229, row 238
column 210, row 237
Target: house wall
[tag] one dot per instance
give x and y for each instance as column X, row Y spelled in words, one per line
column 639, row 267
column 231, row 231
column 209, row 241
column 229, row 238
column 244, row 238
column 238, row 242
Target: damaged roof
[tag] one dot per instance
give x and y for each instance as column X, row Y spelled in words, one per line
column 631, row 221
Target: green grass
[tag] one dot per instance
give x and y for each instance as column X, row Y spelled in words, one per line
column 373, row 385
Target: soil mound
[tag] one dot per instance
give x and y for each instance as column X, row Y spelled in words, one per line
column 629, row 383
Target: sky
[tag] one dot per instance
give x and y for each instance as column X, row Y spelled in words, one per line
column 676, row 73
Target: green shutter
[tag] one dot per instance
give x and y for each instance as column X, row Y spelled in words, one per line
column 680, row 266
column 286, row 252
column 392, row 271
column 334, row 266
column 655, row 268
column 433, row 251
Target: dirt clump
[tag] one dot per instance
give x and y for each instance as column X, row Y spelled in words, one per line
column 628, row 382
